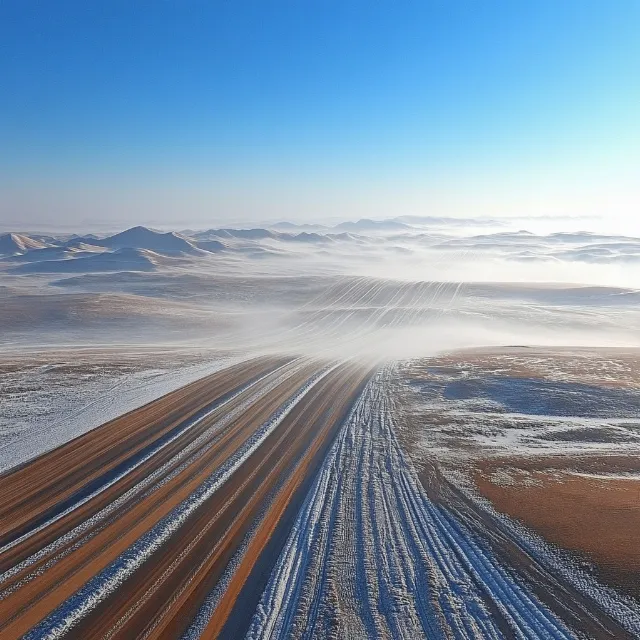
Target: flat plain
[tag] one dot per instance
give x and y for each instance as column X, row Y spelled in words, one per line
column 273, row 434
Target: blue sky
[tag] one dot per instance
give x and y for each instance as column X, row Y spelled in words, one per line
column 308, row 108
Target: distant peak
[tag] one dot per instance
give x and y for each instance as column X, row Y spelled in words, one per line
column 14, row 243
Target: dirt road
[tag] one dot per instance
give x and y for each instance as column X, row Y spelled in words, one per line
column 169, row 513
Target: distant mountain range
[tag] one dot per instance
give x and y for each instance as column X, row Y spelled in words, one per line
column 126, row 259
column 364, row 225
column 399, row 223
column 143, row 249
column 143, row 238
column 12, row 244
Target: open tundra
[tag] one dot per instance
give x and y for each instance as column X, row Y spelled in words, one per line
column 271, row 498
column 267, row 433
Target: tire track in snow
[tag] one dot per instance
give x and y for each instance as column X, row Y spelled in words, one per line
column 371, row 556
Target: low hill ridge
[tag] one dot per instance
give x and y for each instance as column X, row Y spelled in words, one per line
column 12, row 244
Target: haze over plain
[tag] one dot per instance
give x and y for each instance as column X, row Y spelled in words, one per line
column 319, row 319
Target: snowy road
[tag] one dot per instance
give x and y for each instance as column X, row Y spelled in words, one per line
column 269, row 500
column 371, row 556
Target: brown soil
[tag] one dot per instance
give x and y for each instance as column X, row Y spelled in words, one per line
column 595, row 517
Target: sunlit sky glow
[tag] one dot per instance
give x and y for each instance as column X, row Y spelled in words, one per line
column 203, row 110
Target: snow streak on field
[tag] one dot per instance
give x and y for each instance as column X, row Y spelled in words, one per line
column 371, row 556
column 42, row 409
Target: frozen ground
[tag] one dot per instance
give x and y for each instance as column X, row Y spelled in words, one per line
column 372, row 556
column 52, row 396
column 518, row 401
column 374, row 551
column 397, row 537
column 544, row 445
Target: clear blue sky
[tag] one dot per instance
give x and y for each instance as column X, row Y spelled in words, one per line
column 307, row 107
